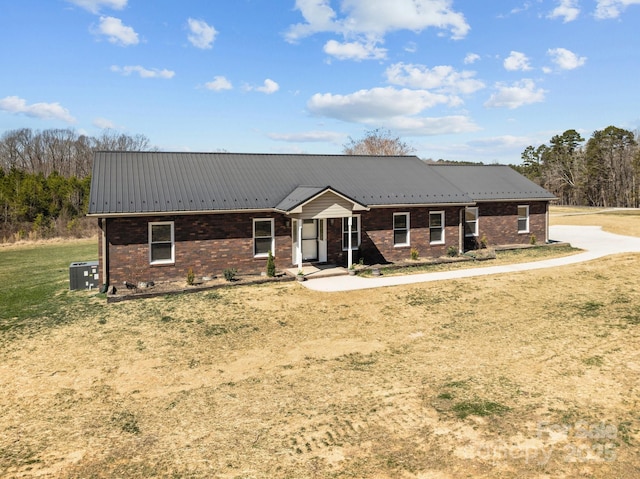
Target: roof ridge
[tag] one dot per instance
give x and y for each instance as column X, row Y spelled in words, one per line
column 237, row 153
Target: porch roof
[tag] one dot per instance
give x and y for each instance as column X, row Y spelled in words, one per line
column 304, row 194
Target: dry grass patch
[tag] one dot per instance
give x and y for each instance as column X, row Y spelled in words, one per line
column 526, row 375
column 622, row 222
column 469, row 377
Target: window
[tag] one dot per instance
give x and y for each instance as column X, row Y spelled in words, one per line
column 355, row 232
column 436, row 227
column 263, row 239
column 161, row 243
column 523, row 219
column 401, row 229
column 471, row 221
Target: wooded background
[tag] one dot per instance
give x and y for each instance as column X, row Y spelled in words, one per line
column 603, row 172
column 45, row 175
column 45, row 178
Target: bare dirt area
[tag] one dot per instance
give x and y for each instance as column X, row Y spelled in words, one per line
column 529, row 375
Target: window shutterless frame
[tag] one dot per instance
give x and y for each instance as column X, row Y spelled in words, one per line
column 263, row 237
column 401, row 229
column 436, row 227
column 523, row 218
column 161, row 242
column 355, row 233
column 471, row 221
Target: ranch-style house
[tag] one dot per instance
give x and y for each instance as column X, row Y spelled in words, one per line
column 161, row 214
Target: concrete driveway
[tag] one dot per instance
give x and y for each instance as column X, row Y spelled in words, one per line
column 592, row 239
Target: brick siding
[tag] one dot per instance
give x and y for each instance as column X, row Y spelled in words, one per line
column 212, row 243
column 498, row 222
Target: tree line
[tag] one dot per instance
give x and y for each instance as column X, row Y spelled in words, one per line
column 45, row 178
column 604, row 171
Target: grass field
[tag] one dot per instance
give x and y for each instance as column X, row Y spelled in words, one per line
column 531, row 375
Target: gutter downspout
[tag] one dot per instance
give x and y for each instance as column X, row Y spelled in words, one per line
column 461, row 231
column 105, row 253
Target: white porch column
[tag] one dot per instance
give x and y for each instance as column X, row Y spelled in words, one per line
column 350, row 251
column 300, row 221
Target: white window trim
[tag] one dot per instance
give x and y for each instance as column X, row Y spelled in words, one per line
column 526, row 230
column 345, row 247
column 442, row 227
column 273, row 237
column 172, row 260
column 477, row 222
column 408, row 229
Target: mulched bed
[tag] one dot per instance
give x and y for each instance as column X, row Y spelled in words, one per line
column 180, row 287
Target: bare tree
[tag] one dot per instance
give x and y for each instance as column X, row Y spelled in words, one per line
column 62, row 151
column 378, row 142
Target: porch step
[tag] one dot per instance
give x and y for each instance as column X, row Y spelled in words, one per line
column 311, row 271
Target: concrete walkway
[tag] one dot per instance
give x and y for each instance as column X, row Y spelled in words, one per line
column 592, row 239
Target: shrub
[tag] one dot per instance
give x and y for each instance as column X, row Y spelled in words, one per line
column 452, row 251
column 533, row 240
column 415, row 254
column 190, row 277
column 271, row 265
column 230, row 274
column 483, row 242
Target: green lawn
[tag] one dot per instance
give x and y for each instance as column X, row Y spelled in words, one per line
column 34, row 282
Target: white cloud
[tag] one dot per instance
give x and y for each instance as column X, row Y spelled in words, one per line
column 375, row 104
column 429, row 126
column 567, row 10
column 442, row 78
column 309, row 137
column 411, row 47
column 45, row 111
column 116, row 32
column 375, row 18
column 94, row 6
column 219, row 83
column 612, row 8
column 397, row 109
column 520, row 93
column 143, row 72
column 354, row 51
column 319, row 17
column 517, row 61
column 268, row 87
column 566, row 59
column 471, row 58
column 202, row 35
column 506, row 141
column 104, row 124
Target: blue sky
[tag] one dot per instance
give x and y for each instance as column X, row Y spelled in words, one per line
column 459, row 80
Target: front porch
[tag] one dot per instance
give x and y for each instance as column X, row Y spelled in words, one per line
column 312, row 271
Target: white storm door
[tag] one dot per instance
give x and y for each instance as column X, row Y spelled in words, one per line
column 295, row 244
column 309, row 240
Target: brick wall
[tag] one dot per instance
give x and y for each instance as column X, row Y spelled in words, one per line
column 377, row 238
column 207, row 243
column 499, row 222
column 211, row 243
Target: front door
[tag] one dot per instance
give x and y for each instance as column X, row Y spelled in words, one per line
column 313, row 240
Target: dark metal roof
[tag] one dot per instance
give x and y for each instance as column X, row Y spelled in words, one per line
column 149, row 182
column 492, row 182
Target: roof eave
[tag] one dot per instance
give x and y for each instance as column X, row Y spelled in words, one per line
column 181, row 213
